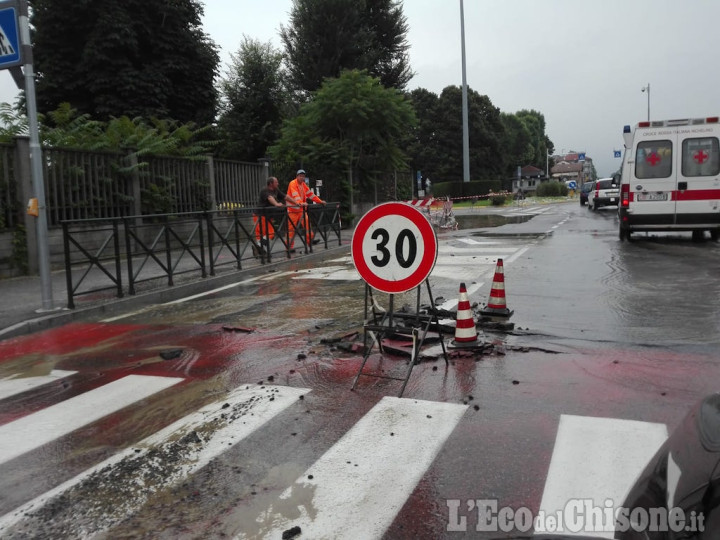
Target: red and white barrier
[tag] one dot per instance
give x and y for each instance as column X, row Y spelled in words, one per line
column 421, row 203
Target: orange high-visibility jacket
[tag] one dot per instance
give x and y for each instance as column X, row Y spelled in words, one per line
column 299, row 191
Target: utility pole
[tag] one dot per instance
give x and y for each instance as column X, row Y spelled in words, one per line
column 24, row 75
column 647, row 89
column 466, row 136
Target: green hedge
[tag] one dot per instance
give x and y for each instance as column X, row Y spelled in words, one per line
column 466, row 189
column 552, row 189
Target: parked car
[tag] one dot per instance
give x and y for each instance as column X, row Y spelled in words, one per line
column 606, row 193
column 586, row 188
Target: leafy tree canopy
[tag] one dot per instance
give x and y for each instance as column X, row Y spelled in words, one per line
column 352, row 121
column 325, row 37
column 254, row 101
column 66, row 128
column 145, row 58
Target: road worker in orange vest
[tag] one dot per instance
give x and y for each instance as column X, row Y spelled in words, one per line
column 299, row 191
column 271, row 196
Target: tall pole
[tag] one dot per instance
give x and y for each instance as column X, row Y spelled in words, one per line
column 547, row 163
column 36, row 160
column 647, row 89
column 466, row 136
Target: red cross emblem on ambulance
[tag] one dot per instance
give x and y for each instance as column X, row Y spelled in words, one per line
column 653, row 159
column 701, row 156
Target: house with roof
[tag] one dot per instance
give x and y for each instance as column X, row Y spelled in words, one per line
column 529, row 179
column 570, row 167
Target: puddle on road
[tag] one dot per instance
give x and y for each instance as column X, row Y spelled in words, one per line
column 478, row 221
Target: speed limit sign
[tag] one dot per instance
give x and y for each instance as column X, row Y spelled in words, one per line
column 394, row 247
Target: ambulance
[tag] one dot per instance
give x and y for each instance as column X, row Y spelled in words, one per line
column 670, row 177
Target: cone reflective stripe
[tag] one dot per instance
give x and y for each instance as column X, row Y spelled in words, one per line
column 465, row 330
column 497, row 305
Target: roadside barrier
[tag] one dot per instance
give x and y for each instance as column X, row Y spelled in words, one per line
column 118, row 254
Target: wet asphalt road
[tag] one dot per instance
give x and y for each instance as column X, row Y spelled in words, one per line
column 603, row 329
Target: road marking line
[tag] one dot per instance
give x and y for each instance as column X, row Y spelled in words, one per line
column 516, row 255
column 358, row 486
column 199, row 295
column 9, row 386
column 598, row 459
column 33, row 431
column 337, row 273
column 474, row 242
column 475, row 250
column 190, row 443
column 451, row 304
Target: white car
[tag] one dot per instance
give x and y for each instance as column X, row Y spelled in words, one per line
column 606, row 193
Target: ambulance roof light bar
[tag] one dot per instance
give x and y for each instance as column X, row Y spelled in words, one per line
column 680, row 122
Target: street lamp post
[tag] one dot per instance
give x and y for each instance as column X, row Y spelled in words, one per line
column 647, row 89
column 466, row 129
column 547, row 164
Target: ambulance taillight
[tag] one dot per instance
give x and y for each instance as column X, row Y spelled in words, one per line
column 625, row 195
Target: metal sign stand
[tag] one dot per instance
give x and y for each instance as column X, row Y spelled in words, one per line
column 384, row 323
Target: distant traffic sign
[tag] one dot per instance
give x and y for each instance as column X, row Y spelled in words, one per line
column 572, row 184
column 9, row 36
column 394, row 247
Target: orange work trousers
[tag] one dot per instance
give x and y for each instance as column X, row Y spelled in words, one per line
column 299, row 221
column 263, row 226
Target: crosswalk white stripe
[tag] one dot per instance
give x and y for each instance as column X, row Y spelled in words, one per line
column 444, row 248
column 370, row 471
column 11, row 386
column 32, row 431
column 238, row 414
column 597, row 459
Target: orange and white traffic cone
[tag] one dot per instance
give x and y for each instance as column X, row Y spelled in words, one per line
column 465, row 330
column 497, row 306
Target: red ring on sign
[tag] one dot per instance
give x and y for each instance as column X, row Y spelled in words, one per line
column 427, row 233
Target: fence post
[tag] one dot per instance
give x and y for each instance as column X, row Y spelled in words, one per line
column 24, row 192
column 211, row 177
column 136, row 191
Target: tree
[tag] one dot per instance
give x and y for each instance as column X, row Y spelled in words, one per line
column 422, row 145
column 517, row 146
column 534, row 121
column 353, row 124
column 147, row 58
column 254, row 102
column 485, row 132
column 325, row 37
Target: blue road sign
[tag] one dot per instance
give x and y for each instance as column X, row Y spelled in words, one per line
column 9, row 37
column 617, row 153
column 572, row 184
column 581, row 156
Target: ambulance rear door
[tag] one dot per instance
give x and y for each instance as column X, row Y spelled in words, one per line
column 698, row 186
column 654, row 179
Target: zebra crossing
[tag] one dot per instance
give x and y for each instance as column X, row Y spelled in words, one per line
column 372, row 470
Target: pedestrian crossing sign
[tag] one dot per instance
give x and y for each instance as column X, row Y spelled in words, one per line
column 9, row 37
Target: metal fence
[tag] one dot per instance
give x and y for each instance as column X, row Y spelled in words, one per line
column 119, row 255
column 85, row 185
column 8, row 188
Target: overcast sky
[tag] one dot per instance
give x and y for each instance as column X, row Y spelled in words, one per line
column 581, row 63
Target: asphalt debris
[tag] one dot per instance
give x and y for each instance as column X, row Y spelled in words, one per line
column 291, row 533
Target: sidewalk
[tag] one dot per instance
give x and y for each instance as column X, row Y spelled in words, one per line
column 22, row 312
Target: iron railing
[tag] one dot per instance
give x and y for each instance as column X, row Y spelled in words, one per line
column 118, row 255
